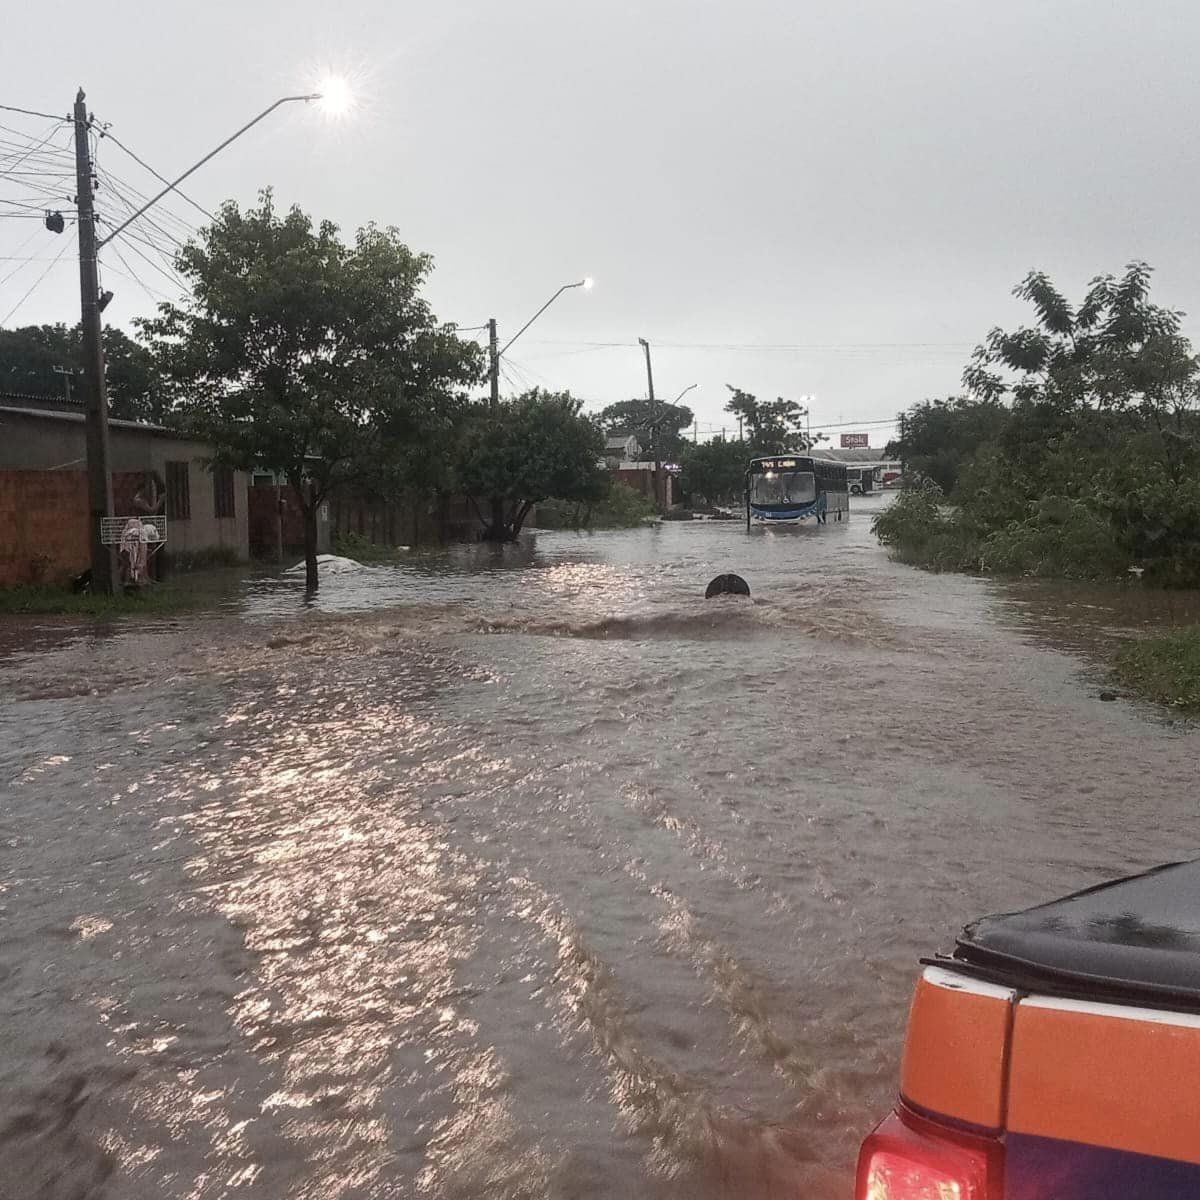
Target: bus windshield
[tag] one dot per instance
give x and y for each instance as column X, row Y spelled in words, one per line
column 783, row 487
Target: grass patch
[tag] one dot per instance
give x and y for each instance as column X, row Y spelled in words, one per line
column 363, row 550
column 43, row 600
column 1164, row 667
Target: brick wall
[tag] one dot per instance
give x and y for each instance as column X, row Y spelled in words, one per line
column 44, row 523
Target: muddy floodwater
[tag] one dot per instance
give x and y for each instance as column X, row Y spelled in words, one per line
column 530, row 873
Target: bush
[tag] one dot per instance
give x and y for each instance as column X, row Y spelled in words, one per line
column 922, row 530
column 1061, row 537
column 622, row 508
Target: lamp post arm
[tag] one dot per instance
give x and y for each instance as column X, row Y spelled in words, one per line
column 537, row 314
column 266, row 112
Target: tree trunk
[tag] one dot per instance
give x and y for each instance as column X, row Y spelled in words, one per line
column 496, row 529
column 311, row 582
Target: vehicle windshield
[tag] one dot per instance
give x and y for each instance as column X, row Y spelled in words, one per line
column 783, row 487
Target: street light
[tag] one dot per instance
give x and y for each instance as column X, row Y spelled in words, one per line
column 92, row 302
column 343, row 97
column 587, row 284
column 494, row 355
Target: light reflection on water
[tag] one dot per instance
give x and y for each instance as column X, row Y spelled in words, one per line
column 530, row 873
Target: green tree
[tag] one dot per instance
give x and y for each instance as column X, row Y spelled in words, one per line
column 656, row 426
column 534, row 447
column 302, row 355
column 30, row 354
column 771, row 427
column 938, row 436
column 1078, row 450
column 715, row 470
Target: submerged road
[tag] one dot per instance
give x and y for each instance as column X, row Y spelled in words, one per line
column 530, row 873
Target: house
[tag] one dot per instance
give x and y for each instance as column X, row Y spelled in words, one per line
column 621, row 447
column 44, row 510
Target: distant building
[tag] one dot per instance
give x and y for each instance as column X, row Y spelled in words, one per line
column 619, row 448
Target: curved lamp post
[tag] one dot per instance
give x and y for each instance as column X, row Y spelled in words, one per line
column 494, row 354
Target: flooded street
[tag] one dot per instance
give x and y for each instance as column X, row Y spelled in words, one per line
column 542, row 877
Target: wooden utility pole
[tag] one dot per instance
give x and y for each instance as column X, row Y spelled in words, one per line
column 494, row 361
column 100, row 493
column 654, row 423
column 66, row 373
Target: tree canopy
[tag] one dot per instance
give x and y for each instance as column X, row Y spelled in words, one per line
column 303, row 355
column 715, row 471
column 645, row 420
column 530, row 448
column 1078, row 449
column 30, row 354
column 770, row 427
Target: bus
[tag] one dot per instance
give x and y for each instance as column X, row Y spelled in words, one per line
column 793, row 487
column 861, row 479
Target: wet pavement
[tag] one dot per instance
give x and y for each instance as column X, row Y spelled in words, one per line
column 529, row 873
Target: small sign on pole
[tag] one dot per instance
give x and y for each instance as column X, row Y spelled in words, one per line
column 856, row 441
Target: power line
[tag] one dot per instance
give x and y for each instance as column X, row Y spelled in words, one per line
column 784, row 346
column 112, row 137
column 29, row 112
column 123, row 185
column 116, row 191
column 175, row 281
column 8, row 316
column 33, row 148
column 134, row 277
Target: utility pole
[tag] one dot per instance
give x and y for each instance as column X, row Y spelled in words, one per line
column 66, row 373
column 100, row 493
column 740, row 438
column 494, row 361
column 654, row 423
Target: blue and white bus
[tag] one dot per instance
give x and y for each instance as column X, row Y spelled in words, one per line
column 793, row 487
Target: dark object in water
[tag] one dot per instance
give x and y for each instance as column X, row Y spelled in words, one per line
column 727, row 585
column 82, row 583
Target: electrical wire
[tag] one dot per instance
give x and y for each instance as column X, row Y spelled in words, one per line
column 134, row 277
column 29, row 112
column 756, row 346
column 34, row 147
column 176, row 242
column 8, row 316
column 174, row 280
column 112, row 137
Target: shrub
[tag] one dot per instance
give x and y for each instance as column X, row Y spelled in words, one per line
column 622, row 508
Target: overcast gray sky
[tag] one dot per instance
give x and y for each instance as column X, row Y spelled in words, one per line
column 854, row 184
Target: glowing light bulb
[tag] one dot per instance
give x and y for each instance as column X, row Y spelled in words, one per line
column 337, row 98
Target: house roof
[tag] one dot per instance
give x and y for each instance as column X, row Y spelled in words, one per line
column 77, row 418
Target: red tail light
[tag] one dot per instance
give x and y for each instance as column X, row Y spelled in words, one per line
column 905, row 1160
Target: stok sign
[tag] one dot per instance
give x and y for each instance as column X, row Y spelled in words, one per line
column 856, row 441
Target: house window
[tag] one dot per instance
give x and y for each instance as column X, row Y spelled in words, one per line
column 223, row 505
column 179, row 498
